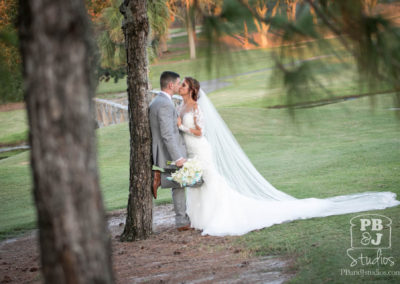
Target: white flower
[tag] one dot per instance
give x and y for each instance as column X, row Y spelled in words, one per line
column 189, row 174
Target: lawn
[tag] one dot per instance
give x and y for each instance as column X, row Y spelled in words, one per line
column 13, row 126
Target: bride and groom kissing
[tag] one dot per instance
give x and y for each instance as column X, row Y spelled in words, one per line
column 234, row 198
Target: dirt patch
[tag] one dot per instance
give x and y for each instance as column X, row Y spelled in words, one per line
column 167, row 256
column 12, row 106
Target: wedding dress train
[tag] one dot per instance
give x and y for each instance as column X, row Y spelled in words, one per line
column 236, row 199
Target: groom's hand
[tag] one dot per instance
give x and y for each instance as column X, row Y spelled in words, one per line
column 179, row 163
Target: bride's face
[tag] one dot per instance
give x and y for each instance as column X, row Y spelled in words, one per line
column 184, row 89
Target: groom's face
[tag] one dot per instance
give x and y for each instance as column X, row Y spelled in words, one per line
column 176, row 85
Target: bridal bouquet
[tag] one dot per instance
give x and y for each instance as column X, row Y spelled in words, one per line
column 189, row 175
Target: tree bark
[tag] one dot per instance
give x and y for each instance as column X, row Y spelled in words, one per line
column 136, row 28
column 191, row 30
column 291, row 9
column 263, row 28
column 163, row 44
column 57, row 54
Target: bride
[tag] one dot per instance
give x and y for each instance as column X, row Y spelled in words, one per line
column 234, row 198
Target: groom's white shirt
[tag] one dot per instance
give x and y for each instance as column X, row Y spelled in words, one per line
column 170, row 98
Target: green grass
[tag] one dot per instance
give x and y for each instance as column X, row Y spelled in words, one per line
column 113, row 162
column 112, row 87
column 263, row 89
column 13, row 126
column 17, row 211
column 5, row 155
column 319, row 248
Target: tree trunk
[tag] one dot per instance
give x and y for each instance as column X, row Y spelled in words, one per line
column 246, row 37
column 191, row 32
column 57, row 54
column 136, row 27
column 369, row 6
column 262, row 27
column 163, row 43
column 291, row 9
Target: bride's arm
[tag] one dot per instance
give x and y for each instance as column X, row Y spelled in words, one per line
column 194, row 131
column 198, row 122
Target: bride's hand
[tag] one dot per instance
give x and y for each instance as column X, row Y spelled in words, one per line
column 195, row 124
column 179, row 121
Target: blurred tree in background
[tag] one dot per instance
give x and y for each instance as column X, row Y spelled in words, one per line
column 10, row 60
column 366, row 34
column 190, row 12
column 158, row 12
column 111, row 40
column 95, row 8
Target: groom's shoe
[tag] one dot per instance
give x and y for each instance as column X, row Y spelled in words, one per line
column 156, row 175
column 185, row 228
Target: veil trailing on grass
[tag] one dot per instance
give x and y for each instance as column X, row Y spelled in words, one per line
column 242, row 176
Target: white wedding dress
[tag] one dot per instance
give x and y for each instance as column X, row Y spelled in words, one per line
column 220, row 207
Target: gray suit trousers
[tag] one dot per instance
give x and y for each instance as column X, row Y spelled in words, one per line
column 179, row 199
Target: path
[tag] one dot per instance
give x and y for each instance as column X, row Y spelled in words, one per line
column 7, row 149
column 167, row 256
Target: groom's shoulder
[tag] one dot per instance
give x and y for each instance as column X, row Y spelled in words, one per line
column 160, row 100
column 157, row 99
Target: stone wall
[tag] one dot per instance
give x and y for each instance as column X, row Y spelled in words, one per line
column 109, row 112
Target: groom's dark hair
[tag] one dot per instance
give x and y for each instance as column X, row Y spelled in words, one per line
column 167, row 77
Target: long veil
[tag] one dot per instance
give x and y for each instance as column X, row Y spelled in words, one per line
column 233, row 164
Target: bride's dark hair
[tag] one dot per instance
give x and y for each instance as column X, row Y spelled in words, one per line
column 194, row 87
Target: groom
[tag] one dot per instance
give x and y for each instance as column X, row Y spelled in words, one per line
column 168, row 144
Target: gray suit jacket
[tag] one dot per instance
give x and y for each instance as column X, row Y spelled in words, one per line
column 168, row 144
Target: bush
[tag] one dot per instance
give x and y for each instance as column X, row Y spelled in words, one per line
column 11, row 89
